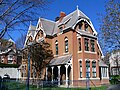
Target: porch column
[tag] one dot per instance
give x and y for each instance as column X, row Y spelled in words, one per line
column 52, row 73
column 58, row 75
column 46, row 73
column 101, row 73
column 107, row 72
column 66, row 66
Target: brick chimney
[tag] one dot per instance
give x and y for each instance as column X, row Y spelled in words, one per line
column 62, row 15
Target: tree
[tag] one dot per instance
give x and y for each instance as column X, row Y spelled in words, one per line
column 40, row 55
column 15, row 14
column 110, row 25
column 20, row 41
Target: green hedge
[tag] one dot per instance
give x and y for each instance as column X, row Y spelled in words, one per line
column 2, row 65
column 114, row 79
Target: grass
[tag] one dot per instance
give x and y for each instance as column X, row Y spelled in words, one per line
column 21, row 86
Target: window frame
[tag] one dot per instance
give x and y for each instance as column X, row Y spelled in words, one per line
column 92, row 45
column 80, row 65
column 66, row 45
column 79, row 44
column 87, row 69
column 86, row 42
column 56, row 47
column 94, row 74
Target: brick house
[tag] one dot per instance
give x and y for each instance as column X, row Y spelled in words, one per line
column 8, row 52
column 114, row 61
column 77, row 53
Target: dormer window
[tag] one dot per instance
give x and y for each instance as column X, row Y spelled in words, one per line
column 80, row 25
column 61, row 29
column 86, row 27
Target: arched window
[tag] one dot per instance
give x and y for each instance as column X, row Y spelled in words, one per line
column 86, row 26
column 80, row 63
column 56, row 47
column 29, row 40
column 80, row 25
column 79, row 44
column 87, row 69
column 93, row 69
column 66, row 45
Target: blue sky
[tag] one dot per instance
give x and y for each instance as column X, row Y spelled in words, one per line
column 89, row 7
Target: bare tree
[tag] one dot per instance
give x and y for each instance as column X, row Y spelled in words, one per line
column 110, row 25
column 15, row 14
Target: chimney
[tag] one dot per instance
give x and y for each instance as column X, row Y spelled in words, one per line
column 62, row 15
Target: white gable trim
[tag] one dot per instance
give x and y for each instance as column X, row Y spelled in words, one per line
column 88, row 23
column 100, row 49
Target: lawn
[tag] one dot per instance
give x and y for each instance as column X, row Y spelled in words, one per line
column 20, row 86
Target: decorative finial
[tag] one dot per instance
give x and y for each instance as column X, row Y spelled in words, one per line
column 77, row 7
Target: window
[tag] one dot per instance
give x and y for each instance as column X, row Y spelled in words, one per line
column 93, row 69
column 66, row 45
column 80, row 25
column 79, row 44
column 86, row 27
column 61, row 28
column 92, row 46
column 56, row 46
column 87, row 69
column 80, row 62
column 86, row 44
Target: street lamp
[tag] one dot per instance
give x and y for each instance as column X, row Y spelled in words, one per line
column 28, row 75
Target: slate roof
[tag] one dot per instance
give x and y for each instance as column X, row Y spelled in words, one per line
column 51, row 27
column 60, row 60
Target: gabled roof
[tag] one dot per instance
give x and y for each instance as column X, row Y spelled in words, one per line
column 48, row 26
column 51, row 27
column 31, row 32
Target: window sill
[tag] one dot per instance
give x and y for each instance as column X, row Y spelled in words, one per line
column 56, row 55
column 105, row 77
column 89, row 78
column 80, row 51
column 90, row 52
column 66, row 53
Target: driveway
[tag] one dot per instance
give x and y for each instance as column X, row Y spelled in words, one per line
column 114, row 87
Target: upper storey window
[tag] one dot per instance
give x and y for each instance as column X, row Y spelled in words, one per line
column 86, row 44
column 39, row 35
column 29, row 40
column 79, row 44
column 66, row 45
column 92, row 46
column 56, row 47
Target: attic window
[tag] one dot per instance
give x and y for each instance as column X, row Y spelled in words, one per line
column 61, row 29
column 80, row 25
column 86, row 27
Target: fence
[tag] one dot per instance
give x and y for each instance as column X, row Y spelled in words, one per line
column 7, row 84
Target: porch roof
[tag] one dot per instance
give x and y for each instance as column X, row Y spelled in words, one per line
column 102, row 64
column 60, row 60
